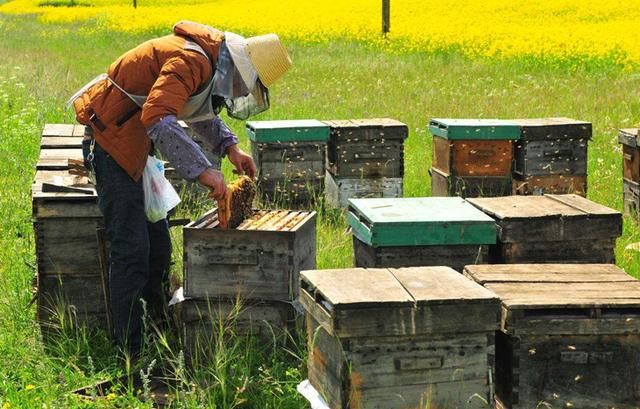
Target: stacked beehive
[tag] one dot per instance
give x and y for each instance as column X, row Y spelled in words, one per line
column 472, row 157
column 290, row 157
column 628, row 138
column 570, row 335
column 551, row 228
column 247, row 275
column 425, row 231
column 418, row 337
column 365, row 158
column 551, row 156
column 70, row 246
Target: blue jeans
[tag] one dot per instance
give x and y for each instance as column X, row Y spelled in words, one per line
column 140, row 251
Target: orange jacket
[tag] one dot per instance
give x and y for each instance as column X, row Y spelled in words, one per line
column 162, row 69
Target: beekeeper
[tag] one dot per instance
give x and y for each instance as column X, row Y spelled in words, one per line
column 190, row 75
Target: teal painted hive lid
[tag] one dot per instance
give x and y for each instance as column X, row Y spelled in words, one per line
column 487, row 129
column 419, row 221
column 304, row 130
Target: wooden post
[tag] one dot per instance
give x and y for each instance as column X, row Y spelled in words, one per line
column 135, row 4
column 386, row 16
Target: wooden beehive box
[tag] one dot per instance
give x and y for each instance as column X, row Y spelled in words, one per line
column 422, row 231
column 443, row 184
column 260, row 259
column 570, row 335
column 290, row 157
column 628, row 138
column 472, row 157
column 398, row 338
column 70, row 249
column 551, row 228
column 204, row 321
column 549, row 148
column 365, row 158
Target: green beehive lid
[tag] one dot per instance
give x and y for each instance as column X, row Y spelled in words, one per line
column 419, row 221
column 487, row 129
column 306, row 130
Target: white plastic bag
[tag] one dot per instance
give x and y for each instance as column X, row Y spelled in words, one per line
column 159, row 195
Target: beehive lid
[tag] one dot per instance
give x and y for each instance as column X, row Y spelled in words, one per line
column 308, row 130
column 378, row 302
column 488, row 129
column 551, row 215
column 629, row 137
column 419, row 221
column 372, row 128
column 577, row 298
column 554, row 129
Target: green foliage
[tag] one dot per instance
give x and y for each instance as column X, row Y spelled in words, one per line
column 43, row 64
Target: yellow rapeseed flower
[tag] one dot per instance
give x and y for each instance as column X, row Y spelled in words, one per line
column 29, row 387
column 548, row 30
column 6, row 405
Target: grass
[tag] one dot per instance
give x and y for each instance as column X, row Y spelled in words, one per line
column 43, row 64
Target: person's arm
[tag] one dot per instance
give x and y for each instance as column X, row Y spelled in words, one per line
column 179, row 78
column 222, row 141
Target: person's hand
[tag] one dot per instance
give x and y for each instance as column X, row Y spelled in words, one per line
column 214, row 180
column 242, row 161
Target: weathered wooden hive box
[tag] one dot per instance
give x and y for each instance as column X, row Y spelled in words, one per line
column 246, row 278
column 290, row 157
column 551, row 156
column 418, row 337
column 365, row 158
column 628, row 138
column 551, row 228
column 70, row 246
column 472, row 157
column 569, row 337
column 424, row 231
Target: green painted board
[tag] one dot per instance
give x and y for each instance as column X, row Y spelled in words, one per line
column 419, row 221
column 476, row 129
column 305, row 130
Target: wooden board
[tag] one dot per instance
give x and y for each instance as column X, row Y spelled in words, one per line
column 549, row 218
column 563, row 299
column 402, row 302
column 72, row 300
column 443, row 184
column 419, row 221
column 631, row 198
column 60, row 142
column 533, row 273
column 287, row 131
column 587, row 372
column 553, row 184
column 554, row 129
column 57, row 159
column 290, row 172
column 62, row 130
column 631, row 163
column 454, row 256
column 590, row 250
column 397, row 372
column 366, row 148
column 628, row 137
column 556, row 157
column 487, row 129
column 339, row 190
column 473, row 157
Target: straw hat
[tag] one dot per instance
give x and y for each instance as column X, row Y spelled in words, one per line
column 269, row 57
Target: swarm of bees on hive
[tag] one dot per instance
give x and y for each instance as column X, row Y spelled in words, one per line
column 236, row 206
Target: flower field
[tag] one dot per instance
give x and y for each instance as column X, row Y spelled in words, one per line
column 562, row 30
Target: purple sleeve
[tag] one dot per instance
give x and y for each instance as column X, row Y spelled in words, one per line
column 178, row 148
column 215, row 135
